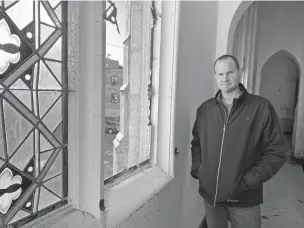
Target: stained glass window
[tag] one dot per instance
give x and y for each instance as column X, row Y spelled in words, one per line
column 33, row 109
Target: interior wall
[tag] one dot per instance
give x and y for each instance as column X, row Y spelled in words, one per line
column 179, row 204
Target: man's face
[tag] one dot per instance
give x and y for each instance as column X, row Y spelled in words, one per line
column 227, row 76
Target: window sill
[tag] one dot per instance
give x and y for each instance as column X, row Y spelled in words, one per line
column 127, row 196
column 65, row 217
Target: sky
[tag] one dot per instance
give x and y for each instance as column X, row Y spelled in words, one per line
column 114, row 46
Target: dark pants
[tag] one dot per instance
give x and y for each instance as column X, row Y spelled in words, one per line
column 240, row 217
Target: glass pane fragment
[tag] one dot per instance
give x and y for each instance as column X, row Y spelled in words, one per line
column 58, row 12
column 24, row 153
column 46, row 198
column 46, row 79
column 16, row 127
column 56, row 68
column 56, row 167
column 21, row 13
column 24, row 96
column 18, row 216
column 44, row 157
column 19, row 84
column 58, row 132
column 54, row 116
column 46, row 99
column 53, row 3
column 55, row 185
column 55, row 51
column 44, row 17
column 44, row 144
column 45, row 32
column 1, row 162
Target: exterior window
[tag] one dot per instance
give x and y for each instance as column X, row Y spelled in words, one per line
column 114, row 98
column 33, row 110
column 113, row 80
column 131, row 54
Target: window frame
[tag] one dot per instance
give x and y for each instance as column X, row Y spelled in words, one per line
column 85, row 160
column 161, row 166
column 114, row 80
column 114, row 98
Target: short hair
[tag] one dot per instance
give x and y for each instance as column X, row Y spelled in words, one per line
column 227, row 56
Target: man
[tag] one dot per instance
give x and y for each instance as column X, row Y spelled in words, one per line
column 237, row 146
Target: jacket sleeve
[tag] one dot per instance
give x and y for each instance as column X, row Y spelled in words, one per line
column 195, row 151
column 275, row 152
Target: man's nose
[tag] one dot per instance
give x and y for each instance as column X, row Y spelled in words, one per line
column 226, row 77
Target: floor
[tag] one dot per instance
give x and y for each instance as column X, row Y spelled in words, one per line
column 284, row 197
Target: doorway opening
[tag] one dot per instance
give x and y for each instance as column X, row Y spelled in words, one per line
column 280, row 77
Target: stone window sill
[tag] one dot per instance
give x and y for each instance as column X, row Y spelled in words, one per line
column 65, row 217
column 122, row 200
column 126, row 197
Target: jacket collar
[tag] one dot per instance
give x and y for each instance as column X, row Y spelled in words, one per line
column 236, row 100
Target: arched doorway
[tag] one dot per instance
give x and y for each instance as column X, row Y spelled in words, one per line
column 280, row 84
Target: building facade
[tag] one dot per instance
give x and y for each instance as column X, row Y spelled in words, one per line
column 114, row 73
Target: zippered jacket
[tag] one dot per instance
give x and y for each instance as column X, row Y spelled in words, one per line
column 234, row 154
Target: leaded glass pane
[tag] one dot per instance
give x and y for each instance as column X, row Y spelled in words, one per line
column 32, row 121
column 16, row 127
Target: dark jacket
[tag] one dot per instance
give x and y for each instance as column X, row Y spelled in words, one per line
column 232, row 156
